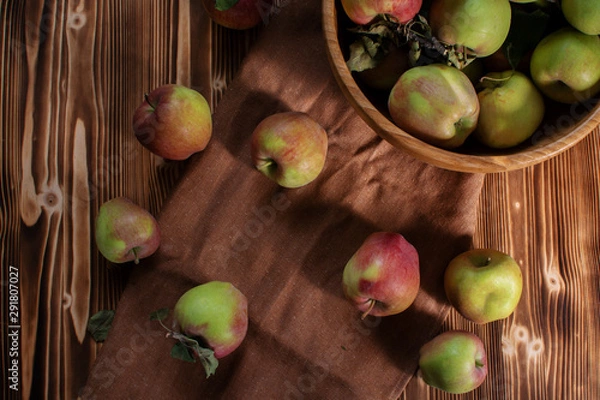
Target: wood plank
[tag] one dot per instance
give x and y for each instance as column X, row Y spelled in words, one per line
column 72, row 73
column 546, row 217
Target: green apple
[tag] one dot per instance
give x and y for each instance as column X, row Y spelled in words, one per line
column 565, row 65
column 436, row 103
column 454, row 361
column 583, row 15
column 512, row 109
column 382, row 277
column 483, row 285
column 215, row 312
column 173, row 122
column 290, row 148
column 364, row 11
column 481, row 26
column 125, row 231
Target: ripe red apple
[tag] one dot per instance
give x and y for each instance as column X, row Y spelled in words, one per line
column 436, row 103
column 481, row 26
column 173, row 122
column 364, row 11
column 454, row 361
column 484, row 285
column 511, row 109
column 125, row 231
column 243, row 14
column 565, row 65
column 215, row 312
column 290, row 148
column 382, row 278
column 584, row 15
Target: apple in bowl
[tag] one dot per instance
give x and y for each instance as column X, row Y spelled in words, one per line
column 565, row 65
column 436, row 103
column 364, row 11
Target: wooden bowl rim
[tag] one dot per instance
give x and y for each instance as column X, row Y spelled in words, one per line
column 431, row 154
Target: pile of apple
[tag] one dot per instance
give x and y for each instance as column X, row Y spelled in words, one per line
column 452, row 69
column 174, row 122
column 382, row 278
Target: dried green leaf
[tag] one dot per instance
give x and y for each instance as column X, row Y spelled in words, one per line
column 159, row 315
column 100, row 323
column 372, row 43
column 208, row 360
column 192, row 347
column 181, row 352
column 363, row 55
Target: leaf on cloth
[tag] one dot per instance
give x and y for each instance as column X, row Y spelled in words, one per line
column 100, row 323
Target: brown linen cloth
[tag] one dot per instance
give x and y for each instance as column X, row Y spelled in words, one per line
column 286, row 249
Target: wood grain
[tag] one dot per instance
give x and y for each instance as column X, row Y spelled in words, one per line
column 72, row 72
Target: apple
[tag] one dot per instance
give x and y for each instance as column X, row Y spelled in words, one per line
column 173, row 122
column 290, row 148
column 243, row 14
column 565, row 65
column 216, row 313
column 511, row 109
column 453, row 361
column 584, row 15
column 382, row 277
column 481, row 26
column 436, row 103
column 483, row 285
column 125, row 231
column 364, row 11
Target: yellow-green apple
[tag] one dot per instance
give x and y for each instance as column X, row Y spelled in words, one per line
column 125, row 231
column 290, row 148
column 173, row 121
column 565, row 65
column 483, row 285
column 481, row 26
column 453, row 361
column 436, row 103
column 364, row 11
column 583, row 15
column 216, row 313
column 511, row 109
column 382, row 277
column 238, row 14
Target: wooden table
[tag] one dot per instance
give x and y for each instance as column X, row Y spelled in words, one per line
column 72, row 73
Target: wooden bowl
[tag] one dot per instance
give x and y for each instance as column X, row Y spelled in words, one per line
column 562, row 128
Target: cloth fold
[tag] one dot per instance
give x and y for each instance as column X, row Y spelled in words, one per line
column 286, row 249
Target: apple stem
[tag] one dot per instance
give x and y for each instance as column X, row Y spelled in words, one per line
column 371, row 305
column 135, row 253
column 497, row 80
column 267, row 165
column 147, row 98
